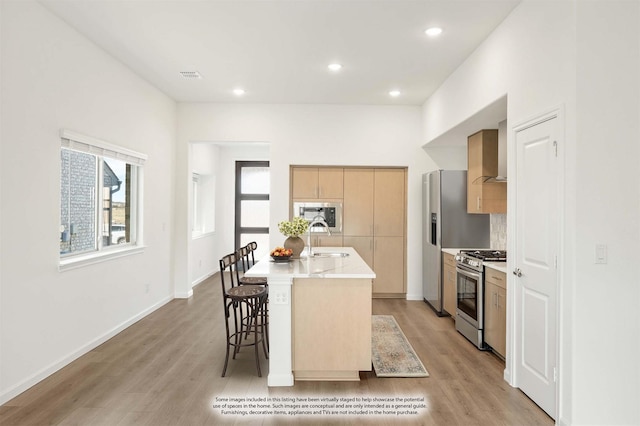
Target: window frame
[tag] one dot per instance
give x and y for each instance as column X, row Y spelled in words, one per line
column 102, row 150
column 239, row 197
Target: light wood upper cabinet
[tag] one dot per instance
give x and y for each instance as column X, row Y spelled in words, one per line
column 389, row 202
column 357, row 208
column 450, row 294
column 317, row 183
column 482, row 157
column 495, row 302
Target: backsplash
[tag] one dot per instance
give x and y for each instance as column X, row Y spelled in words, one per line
column 498, row 223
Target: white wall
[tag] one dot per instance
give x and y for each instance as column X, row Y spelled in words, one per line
column 540, row 56
column 53, row 78
column 317, row 134
column 219, row 159
column 606, row 335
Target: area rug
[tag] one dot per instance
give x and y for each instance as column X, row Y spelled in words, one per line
column 391, row 352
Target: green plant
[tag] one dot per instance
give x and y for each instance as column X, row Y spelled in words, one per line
column 293, row 228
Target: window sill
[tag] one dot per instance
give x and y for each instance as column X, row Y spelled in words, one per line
column 93, row 258
column 202, row 235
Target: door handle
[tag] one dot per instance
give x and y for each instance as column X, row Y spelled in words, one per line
column 517, row 272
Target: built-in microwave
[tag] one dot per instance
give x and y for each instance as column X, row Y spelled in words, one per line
column 330, row 212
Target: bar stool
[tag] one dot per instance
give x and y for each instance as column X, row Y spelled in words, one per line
column 242, row 302
column 247, row 261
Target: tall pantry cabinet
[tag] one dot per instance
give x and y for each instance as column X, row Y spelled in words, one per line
column 374, row 223
column 374, row 219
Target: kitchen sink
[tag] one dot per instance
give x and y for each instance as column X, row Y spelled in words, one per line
column 331, row 254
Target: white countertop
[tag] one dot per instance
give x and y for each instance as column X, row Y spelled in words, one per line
column 498, row 266
column 351, row 266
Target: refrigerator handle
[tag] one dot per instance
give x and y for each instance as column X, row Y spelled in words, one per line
column 434, row 223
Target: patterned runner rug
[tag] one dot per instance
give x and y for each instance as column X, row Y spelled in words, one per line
column 391, row 352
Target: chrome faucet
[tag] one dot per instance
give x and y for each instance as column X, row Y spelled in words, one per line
column 317, row 220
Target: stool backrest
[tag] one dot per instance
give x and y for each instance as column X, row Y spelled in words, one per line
column 229, row 271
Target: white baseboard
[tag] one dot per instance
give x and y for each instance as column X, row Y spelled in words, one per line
column 202, row 278
column 414, row 297
column 183, row 294
column 47, row 371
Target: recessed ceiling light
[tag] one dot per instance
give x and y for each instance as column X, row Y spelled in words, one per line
column 335, row 67
column 394, row 93
column 238, row 91
column 433, row 31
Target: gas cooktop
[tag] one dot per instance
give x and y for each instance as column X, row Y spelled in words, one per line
column 487, row 255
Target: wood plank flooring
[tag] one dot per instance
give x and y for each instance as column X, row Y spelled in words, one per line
column 165, row 370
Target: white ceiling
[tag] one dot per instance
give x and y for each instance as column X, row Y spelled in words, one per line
column 278, row 51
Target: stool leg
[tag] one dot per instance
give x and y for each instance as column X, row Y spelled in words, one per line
column 255, row 337
column 226, row 357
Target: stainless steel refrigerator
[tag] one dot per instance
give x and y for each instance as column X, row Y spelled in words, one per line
column 446, row 224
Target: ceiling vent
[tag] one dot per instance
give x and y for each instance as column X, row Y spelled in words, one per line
column 190, row 75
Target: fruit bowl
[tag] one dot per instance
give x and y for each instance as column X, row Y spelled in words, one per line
column 281, row 254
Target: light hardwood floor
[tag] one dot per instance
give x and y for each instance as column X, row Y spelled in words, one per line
column 165, row 370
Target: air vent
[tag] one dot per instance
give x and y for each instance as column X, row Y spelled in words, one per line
column 190, row 75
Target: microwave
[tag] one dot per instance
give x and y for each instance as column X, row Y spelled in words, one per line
column 330, row 212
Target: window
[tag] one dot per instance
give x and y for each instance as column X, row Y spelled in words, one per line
column 252, row 204
column 203, row 208
column 99, row 187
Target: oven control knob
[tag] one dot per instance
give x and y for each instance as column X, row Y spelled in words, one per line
column 474, row 263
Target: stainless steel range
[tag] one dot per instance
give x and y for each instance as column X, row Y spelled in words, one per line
column 470, row 289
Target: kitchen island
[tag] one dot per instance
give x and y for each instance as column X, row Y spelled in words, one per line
column 319, row 316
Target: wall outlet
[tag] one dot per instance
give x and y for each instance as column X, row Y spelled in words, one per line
column 279, row 298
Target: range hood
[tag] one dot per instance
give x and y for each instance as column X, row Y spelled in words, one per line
column 490, row 179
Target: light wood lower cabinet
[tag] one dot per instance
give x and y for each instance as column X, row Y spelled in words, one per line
column 385, row 255
column 331, row 328
column 495, row 310
column 449, row 296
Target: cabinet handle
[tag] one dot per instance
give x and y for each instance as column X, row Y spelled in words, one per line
column 478, row 203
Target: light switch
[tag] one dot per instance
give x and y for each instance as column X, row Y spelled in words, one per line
column 601, row 253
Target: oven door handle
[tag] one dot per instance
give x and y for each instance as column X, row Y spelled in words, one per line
column 466, row 273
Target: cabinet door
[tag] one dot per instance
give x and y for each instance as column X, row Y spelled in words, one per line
column 330, row 183
column 501, row 322
column 495, row 321
column 490, row 314
column 364, row 247
column 474, row 172
column 388, row 264
column 357, row 212
column 482, row 157
column 389, row 202
column 305, row 182
column 450, row 295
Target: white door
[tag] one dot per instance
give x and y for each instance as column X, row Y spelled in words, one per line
column 536, row 247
